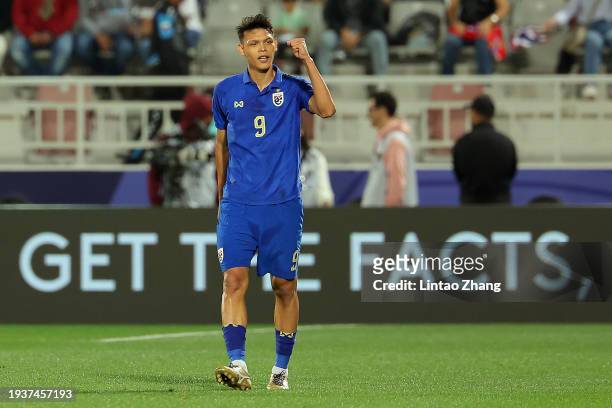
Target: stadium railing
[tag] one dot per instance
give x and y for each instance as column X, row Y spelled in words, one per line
column 545, row 116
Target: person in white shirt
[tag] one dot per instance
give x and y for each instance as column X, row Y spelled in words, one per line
column 316, row 186
column 596, row 16
column 392, row 181
column 190, row 11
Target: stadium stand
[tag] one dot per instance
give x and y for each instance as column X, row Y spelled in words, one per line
column 548, row 122
column 527, row 13
column 74, row 127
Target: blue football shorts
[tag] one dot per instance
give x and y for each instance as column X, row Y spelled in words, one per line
column 272, row 231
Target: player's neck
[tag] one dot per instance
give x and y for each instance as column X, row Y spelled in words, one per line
column 262, row 79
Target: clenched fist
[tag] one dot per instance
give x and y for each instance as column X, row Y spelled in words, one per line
column 298, row 46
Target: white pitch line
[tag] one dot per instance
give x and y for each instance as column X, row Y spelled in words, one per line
column 215, row 333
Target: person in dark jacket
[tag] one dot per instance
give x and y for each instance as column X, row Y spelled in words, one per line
column 484, row 160
column 170, row 44
column 169, row 39
column 351, row 23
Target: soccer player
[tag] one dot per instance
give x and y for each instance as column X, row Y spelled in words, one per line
column 257, row 114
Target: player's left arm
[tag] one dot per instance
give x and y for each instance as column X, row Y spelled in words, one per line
column 321, row 103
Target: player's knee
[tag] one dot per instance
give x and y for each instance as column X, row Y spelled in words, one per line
column 284, row 289
column 234, row 284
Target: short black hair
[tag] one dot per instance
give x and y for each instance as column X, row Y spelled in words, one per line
column 253, row 22
column 484, row 105
column 385, row 100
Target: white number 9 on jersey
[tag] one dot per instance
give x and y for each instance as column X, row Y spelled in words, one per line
column 260, row 125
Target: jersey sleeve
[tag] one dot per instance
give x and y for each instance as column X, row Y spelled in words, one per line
column 305, row 92
column 218, row 112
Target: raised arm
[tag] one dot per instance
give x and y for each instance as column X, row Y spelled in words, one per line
column 221, row 160
column 321, row 103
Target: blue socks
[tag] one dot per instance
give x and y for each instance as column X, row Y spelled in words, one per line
column 235, row 339
column 284, row 348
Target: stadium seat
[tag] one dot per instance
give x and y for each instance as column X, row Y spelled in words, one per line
column 400, row 11
column 224, row 14
column 316, row 24
column 540, row 58
column 221, row 20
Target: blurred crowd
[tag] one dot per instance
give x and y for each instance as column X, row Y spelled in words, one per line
column 46, row 37
column 484, row 160
column 161, row 37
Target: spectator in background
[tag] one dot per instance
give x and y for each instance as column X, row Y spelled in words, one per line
column 392, row 181
column 351, row 23
column 43, row 24
column 289, row 22
column 191, row 11
column 144, row 11
column 104, row 41
column 594, row 30
column 5, row 26
column 568, row 54
column 316, row 186
column 471, row 22
column 190, row 14
column 170, row 45
column 183, row 168
column 484, row 160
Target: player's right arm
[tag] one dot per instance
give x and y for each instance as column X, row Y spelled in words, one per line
column 221, row 149
column 221, row 161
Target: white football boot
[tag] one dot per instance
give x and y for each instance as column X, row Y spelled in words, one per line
column 278, row 379
column 235, row 375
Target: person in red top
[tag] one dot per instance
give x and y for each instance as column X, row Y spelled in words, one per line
column 473, row 23
column 43, row 24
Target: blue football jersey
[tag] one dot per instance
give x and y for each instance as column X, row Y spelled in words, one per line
column 263, row 136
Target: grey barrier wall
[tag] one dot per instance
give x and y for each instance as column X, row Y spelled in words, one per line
column 160, row 266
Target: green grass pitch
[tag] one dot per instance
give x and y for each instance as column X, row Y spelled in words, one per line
column 513, row 365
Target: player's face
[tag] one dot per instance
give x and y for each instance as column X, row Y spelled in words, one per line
column 259, row 47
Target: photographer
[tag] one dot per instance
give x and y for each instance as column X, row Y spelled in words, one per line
column 183, row 169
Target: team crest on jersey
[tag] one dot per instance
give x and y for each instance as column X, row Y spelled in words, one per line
column 220, row 254
column 278, row 98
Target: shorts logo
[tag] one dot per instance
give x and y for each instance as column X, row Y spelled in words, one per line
column 220, row 254
column 278, row 98
column 238, row 104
